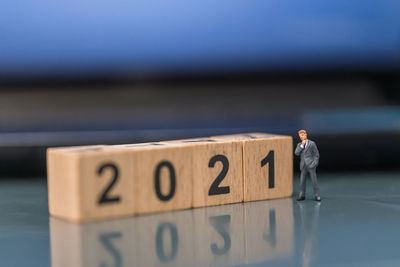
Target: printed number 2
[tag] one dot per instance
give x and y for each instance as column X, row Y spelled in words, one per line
column 105, row 198
column 271, row 168
column 215, row 189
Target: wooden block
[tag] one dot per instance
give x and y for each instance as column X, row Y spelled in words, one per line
column 269, row 228
column 163, row 178
column 243, row 136
column 79, row 148
column 106, row 243
column 219, row 235
column 101, row 182
column 267, row 165
column 268, row 168
column 88, row 184
column 141, row 179
column 217, row 174
column 216, row 171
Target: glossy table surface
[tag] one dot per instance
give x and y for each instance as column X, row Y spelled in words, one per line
column 356, row 224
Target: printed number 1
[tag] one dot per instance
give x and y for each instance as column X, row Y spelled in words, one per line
column 271, row 168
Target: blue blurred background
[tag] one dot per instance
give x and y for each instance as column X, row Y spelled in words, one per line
column 90, row 72
column 74, row 38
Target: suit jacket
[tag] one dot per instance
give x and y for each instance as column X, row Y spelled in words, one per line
column 309, row 156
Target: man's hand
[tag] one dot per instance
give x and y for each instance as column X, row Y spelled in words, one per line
column 303, row 142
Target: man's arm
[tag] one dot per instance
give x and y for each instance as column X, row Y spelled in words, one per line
column 315, row 156
column 298, row 150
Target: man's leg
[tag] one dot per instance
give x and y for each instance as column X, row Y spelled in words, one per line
column 302, row 193
column 313, row 176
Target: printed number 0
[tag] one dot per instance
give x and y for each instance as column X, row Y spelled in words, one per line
column 215, row 189
column 172, row 178
column 105, row 198
column 271, row 168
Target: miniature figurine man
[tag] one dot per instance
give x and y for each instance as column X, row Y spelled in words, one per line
column 309, row 158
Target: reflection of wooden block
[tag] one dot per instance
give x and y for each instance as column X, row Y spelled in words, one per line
column 92, row 244
column 152, row 240
column 164, row 239
column 269, row 228
column 90, row 183
column 163, row 178
column 216, row 171
column 220, row 235
column 267, row 165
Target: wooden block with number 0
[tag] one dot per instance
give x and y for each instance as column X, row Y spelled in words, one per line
column 163, row 178
column 267, row 165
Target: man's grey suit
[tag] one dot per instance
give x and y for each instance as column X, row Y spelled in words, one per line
column 309, row 159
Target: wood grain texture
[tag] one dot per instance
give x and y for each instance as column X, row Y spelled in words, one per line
column 216, row 170
column 171, row 163
column 100, row 182
column 244, row 136
column 256, row 146
column 78, row 178
column 256, row 177
column 210, row 161
column 62, row 183
column 106, row 183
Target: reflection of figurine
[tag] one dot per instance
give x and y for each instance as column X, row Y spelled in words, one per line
column 309, row 216
column 309, row 158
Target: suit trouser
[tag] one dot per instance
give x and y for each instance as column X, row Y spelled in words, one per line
column 313, row 176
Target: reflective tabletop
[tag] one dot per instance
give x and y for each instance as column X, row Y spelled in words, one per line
column 356, row 224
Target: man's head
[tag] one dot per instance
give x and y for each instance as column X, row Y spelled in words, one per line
column 303, row 135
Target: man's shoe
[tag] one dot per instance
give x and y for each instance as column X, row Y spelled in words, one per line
column 318, row 198
column 301, row 198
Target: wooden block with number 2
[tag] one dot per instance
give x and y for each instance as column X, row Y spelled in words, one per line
column 90, row 183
